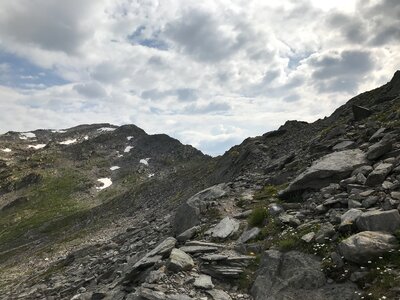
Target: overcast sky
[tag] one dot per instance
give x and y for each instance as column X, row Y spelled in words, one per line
column 209, row 73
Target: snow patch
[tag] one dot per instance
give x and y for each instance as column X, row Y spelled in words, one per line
column 113, row 168
column 106, row 183
column 58, row 131
column 106, row 129
column 128, row 149
column 37, row 147
column 7, row 150
column 129, row 138
column 144, row 161
column 27, row 135
column 68, row 142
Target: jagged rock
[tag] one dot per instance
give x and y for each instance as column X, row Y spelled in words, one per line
column 328, row 169
column 289, row 219
column 206, row 244
column 180, row 261
column 365, row 170
column 370, row 201
column 295, row 275
column 377, row 135
column 366, row 245
column 353, row 204
column 326, row 231
column 198, row 249
column 248, row 235
column 376, row 220
column 378, row 175
column 348, row 219
column 379, row 149
column 164, row 248
column 395, row 195
column 203, row 282
column 188, row 214
column 187, row 234
column 149, row 294
column 218, row 295
column 360, row 113
column 309, row 237
column 230, row 267
column 225, row 228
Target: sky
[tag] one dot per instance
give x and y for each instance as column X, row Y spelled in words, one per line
column 209, row 73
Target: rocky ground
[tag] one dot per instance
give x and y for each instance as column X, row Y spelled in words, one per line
column 309, row 211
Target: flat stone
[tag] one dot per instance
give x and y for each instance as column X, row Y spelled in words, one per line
column 218, row 295
column 309, row 237
column 395, row 195
column 366, row 245
column 225, row 228
column 248, row 235
column 377, row 220
column 164, row 248
column 203, row 282
column 343, row 145
column 198, row 249
column 187, row 234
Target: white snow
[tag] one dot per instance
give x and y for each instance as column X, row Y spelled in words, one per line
column 151, row 175
column 68, row 142
column 106, row 129
column 128, row 149
column 58, row 131
column 129, row 138
column 27, row 135
column 113, row 168
column 86, row 137
column 6, row 150
column 145, row 161
column 106, row 183
column 38, row 146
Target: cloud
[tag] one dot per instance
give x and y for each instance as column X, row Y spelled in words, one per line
column 91, row 90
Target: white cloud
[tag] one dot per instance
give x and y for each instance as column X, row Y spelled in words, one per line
column 189, row 68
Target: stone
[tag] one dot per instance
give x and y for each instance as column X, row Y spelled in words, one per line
column 309, row 237
column 367, row 245
column 187, row 234
column 379, row 174
column 289, row 219
column 275, row 209
column 377, row 135
column 370, row 201
column 378, row 149
column 326, row 231
column 230, row 267
column 248, row 235
column 295, row 275
column 179, row 297
column 225, row 228
column 360, row 112
column 343, row 145
column 348, row 219
column 218, row 295
column 395, row 195
column 360, row 178
column 164, row 248
column 377, row 220
column 189, row 213
column 180, row 261
column 198, row 249
column 149, row 294
column 365, row 170
column 353, row 204
column 203, row 282
column 330, row 168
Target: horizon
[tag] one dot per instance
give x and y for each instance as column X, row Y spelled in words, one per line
column 209, row 74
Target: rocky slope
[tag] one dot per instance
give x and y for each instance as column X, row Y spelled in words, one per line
column 309, row 211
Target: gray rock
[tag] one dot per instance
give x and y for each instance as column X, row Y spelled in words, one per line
column 360, row 112
column 149, row 294
column 379, row 174
column 198, row 249
column 365, row 170
column 248, row 235
column 326, row 231
column 164, row 248
column 203, row 282
column 188, row 214
column 275, row 209
column 377, row 135
column 370, row 201
column 224, row 229
column 366, row 245
column 348, row 219
column 179, row 297
column 295, row 275
column 187, row 234
column 353, row 204
column 343, row 145
column 378, row 149
column 180, row 261
column 243, row 215
column 218, row 295
column 328, row 169
column 395, row 195
column 309, row 237
column 289, row 219
column 377, row 220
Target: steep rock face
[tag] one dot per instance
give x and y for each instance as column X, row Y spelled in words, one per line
column 328, row 169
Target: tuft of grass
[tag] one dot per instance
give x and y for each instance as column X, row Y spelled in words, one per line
column 257, row 217
column 267, row 192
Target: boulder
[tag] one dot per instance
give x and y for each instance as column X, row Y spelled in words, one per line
column 379, row 174
column 360, row 112
column 218, row 295
column 330, row 168
column 343, row 145
column 295, row 275
column 180, row 261
column 204, row 282
column 227, row 227
column 187, row 234
column 366, row 245
column 377, row 220
column 348, row 219
column 378, row 149
column 188, row 214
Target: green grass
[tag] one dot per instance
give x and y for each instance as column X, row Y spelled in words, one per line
column 268, row 191
column 257, row 217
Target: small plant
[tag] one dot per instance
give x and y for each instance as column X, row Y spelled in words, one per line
column 257, row 217
column 268, row 191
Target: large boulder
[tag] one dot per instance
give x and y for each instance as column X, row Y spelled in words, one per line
column 330, row 168
column 189, row 213
column 378, row 149
column 378, row 220
column 360, row 112
column 180, row 261
column 366, row 245
column 295, row 275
